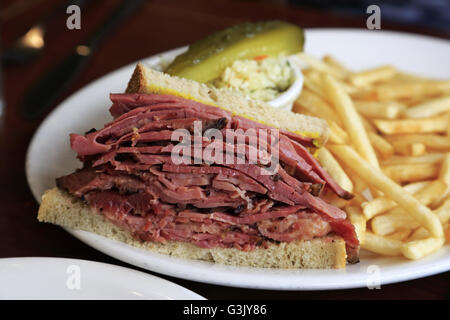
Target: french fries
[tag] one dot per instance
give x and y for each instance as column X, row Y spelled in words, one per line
column 358, row 220
column 429, row 108
column 319, row 65
column 333, row 63
column 413, row 89
column 410, row 204
column 443, row 212
column 383, row 204
column 434, row 158
column 425, row 125
column 368, row 77
column 389, row 140
column 414, row 149
column 381, row 245
column 383, row 110
column 337, row 134
column 419, row 248
column 390, row 222
column 334, row 169
column 313, row 103
column 432, row 141
column 351, row 119
column 401, row 234
column 381, row 146
column 411, row 172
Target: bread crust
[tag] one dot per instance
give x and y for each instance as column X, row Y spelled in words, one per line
column 146, row 80
column 58, row 207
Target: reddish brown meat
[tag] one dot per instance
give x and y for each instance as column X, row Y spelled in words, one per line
column 129, row 175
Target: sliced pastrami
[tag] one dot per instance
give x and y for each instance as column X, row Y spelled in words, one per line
column 130, row 176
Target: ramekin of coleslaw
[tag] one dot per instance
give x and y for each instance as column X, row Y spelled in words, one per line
column 276, row 81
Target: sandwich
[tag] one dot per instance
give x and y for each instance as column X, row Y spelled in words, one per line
column 195, row 172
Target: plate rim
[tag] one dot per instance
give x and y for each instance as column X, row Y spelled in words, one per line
column 445, row 265
column 183, row 293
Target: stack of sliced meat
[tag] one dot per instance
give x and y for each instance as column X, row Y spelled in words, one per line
column 129, row 175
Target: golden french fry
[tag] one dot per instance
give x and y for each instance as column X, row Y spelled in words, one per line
column 432, row 141
column 337, row 134
column 423, row 125
column 426, row 158
column 383, row 110
column 356, row 217
column 309, row 84
column 351, row 119
column 316, row 75
column 330, row 164
column 443, row 212
column 382, row 204
column 429, row 108
column 419, row 234
column 444, row 176
column 367, row 125
column 413, row 101
column 368, row 77
column 312, row 102
column 411, row 172
column 397, row 217
column 358, row 200
column 447, row 232
column 400, row 234
column 417, row 186
column 381, row 245
column 414, row 149
column 319, row 65
column 402, row 77
column 347, row 88
column 430, row 192
column 419, row 248
column 412, row 206
column 377, row 206
column 384, row 148
column 365, row 94
column 393, row 91
column 418, row 149
column 359, row 185
column 388, row 223
column 333, row 63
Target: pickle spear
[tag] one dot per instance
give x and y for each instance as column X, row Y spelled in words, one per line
column 207, row 58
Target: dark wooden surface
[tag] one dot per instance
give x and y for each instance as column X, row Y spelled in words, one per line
column 158, row 26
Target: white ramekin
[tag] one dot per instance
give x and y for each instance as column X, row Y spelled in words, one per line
column 286, row 100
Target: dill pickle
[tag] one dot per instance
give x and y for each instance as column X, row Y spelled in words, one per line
column 207, row 58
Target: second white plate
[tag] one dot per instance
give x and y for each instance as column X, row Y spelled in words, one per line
column 72, row 279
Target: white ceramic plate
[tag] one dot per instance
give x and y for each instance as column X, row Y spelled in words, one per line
column 50, row 156
column 64, row 279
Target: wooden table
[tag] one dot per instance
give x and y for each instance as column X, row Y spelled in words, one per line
column 158, row 26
